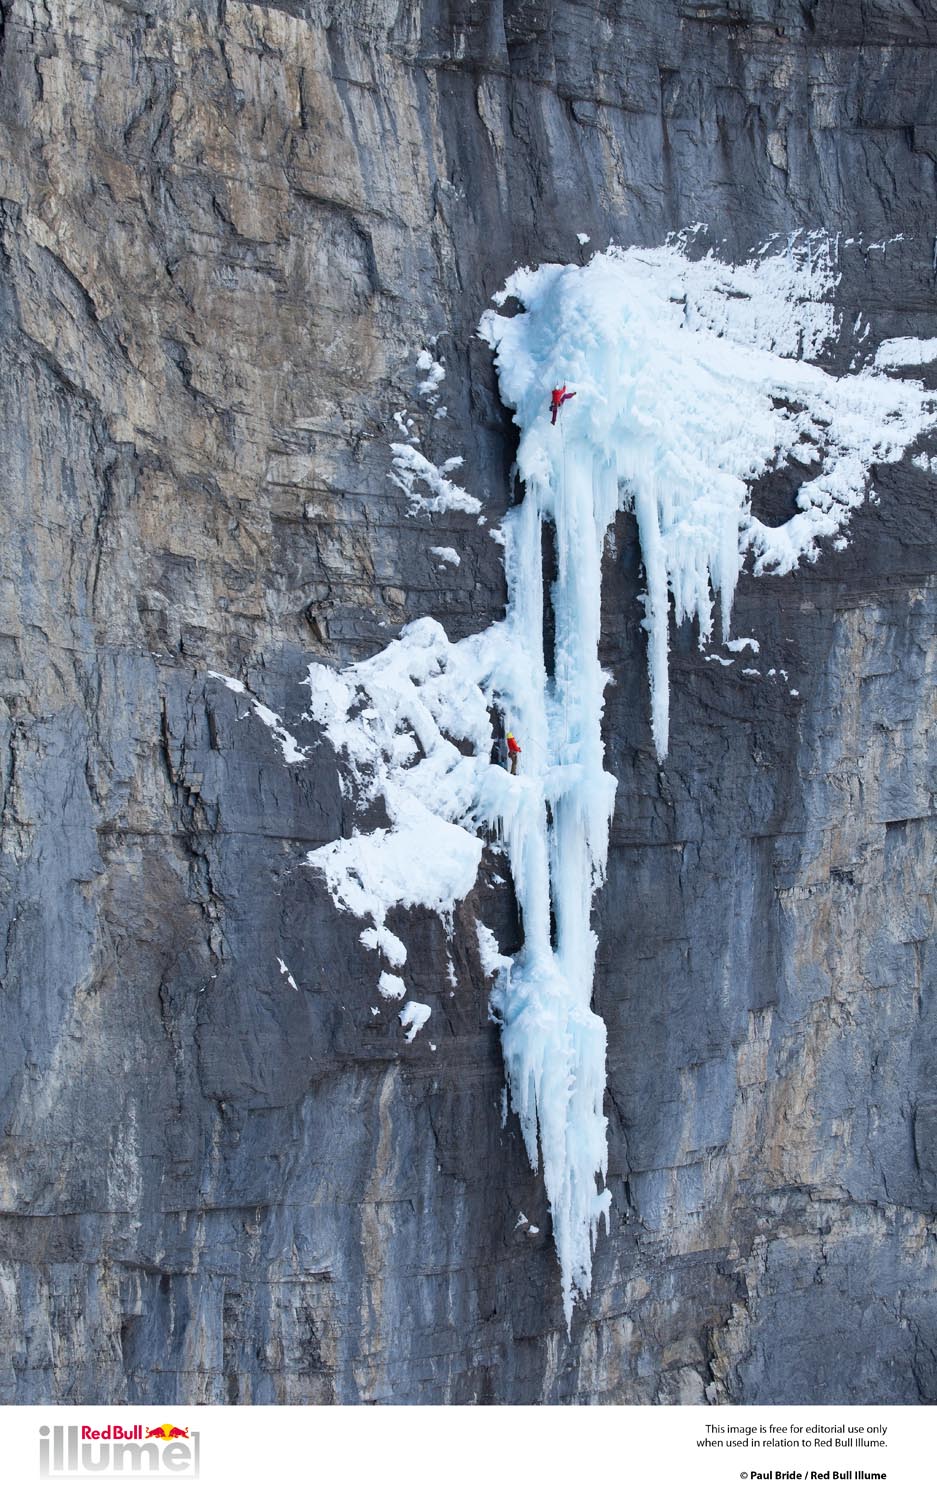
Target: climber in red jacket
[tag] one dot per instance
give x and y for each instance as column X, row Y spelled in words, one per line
column 514, row 751
column 557, row 397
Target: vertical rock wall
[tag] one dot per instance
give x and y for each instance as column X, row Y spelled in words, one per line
column 227, row 229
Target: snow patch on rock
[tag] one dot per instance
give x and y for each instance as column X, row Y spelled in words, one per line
column 414, row 1017
column 434, row 373
column 896, row 354
column 287, row 975
column 391, row 986
column 411, row 469
column 289, row 748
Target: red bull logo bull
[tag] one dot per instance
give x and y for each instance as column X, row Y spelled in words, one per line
column 166, row 1451
column 167, row 1432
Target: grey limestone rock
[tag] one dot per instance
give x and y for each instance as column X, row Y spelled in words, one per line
column 226, row 229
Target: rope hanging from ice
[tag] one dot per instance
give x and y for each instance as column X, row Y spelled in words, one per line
column 691, row 378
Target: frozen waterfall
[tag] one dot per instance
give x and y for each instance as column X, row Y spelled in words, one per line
column 692, row 378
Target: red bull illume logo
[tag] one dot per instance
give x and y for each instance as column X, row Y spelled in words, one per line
column 165, row 1451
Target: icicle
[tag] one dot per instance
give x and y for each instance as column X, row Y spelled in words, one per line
column 557, row 840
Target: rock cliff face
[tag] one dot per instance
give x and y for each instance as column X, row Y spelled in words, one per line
column 226, row 231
